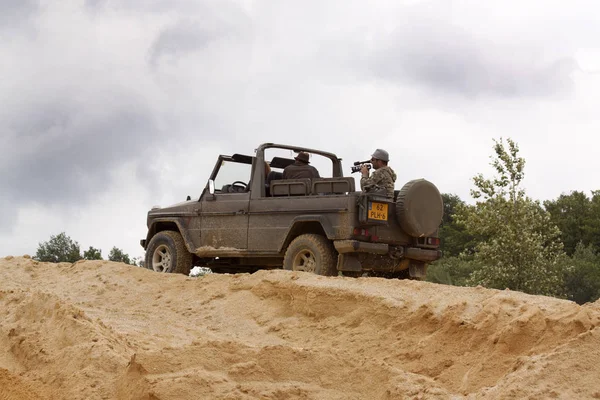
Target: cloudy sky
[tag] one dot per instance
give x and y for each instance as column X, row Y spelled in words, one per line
column 108, row 107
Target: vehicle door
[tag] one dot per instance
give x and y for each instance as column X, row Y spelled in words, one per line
column 224, row 212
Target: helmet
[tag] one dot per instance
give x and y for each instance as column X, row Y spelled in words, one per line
column 381, row 154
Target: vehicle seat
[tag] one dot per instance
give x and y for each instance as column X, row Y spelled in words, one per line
column 291, row 187
column 272, row 176
column 339, row 185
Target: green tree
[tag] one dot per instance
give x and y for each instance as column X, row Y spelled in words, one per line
column 60, row 248
column 593, row 224
column 92, row 254
column 118, row 255
column 572, row 214
column 454, row 237
column 521, row 249
column 582, row 278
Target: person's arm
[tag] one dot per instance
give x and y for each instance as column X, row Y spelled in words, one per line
column 364, row 178
column 368, row 182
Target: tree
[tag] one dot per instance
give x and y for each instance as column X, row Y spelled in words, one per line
column 92, row 254
column 453, row 237
column 118, row 255
column 572, row 214
column 593, row 225
column 582, row 278
column 60, row 248
column 520, row 247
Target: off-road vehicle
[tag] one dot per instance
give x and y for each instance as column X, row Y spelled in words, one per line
column 248, row 218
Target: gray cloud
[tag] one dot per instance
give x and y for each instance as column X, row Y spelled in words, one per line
column 462, row 49
column 209, row 26
column 181, row 38
column 15, row 13
column 8, row 214
column 69, row 158
column 71, row 129
column 144, row 6
column 446, row 58
column 14, row 9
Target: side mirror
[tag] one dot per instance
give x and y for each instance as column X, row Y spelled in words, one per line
column 210, row 196
column 188, row 198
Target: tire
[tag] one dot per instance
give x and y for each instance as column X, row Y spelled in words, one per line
column 419, row 208
column 167, row 253
column 311, row 253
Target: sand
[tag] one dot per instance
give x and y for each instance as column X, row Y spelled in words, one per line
column 105, row 330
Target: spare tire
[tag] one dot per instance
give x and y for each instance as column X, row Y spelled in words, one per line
column 419, row 208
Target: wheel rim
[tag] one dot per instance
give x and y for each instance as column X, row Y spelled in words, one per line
column 161, row 259
column 305, row 261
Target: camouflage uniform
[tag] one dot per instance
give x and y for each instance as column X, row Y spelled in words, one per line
column 382, row 178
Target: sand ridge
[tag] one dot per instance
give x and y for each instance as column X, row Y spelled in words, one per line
column 104, row 330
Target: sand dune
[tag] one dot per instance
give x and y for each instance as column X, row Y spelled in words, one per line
column 104, row 330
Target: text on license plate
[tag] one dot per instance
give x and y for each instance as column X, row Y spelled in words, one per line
column 378, row 211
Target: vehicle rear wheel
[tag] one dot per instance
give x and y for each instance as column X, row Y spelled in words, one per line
column 311, row 253
column 167, row 253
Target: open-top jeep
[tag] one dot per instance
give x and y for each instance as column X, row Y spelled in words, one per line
column 248, row 218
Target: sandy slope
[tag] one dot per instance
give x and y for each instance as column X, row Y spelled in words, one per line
column 103, row 330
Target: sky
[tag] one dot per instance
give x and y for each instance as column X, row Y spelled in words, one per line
column 109, row 107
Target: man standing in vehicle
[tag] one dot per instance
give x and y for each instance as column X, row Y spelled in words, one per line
column 300, row 169
column 382, row 178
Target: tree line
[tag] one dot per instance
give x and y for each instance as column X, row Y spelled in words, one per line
column 61, row 248
column 508, row 240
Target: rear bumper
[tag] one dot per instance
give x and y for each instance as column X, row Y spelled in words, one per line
column 414, row 253
column 427, row 255
column 356, row 246
column 398, row 258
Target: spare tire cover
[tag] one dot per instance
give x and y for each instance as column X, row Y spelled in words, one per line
column 419, row 208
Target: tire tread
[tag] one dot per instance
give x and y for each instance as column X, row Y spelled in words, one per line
column 321, row 244
column 183, row 258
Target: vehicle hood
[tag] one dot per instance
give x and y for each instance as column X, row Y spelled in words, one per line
column 173, row 207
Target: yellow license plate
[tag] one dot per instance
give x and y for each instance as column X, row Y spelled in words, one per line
column 378, row 211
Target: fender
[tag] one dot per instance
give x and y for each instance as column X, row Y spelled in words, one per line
column 296, row 228
column 169, row 222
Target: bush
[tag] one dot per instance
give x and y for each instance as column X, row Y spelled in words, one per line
column 118, row 255
column 59, row 248
column 451, row 271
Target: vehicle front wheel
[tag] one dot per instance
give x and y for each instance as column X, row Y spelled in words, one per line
column 311, row 253
column 167, row 253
